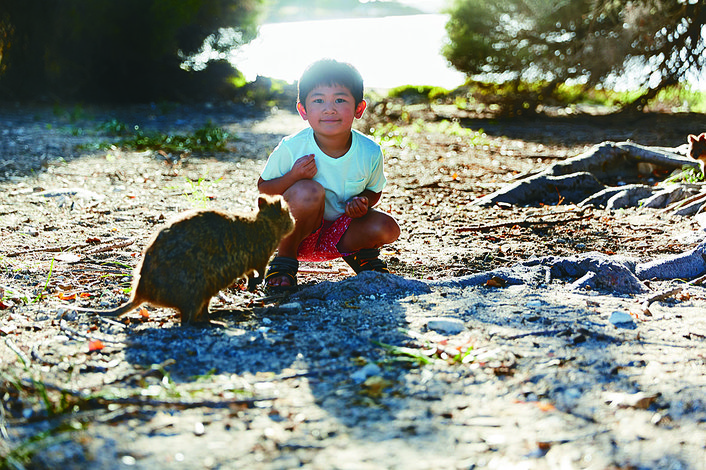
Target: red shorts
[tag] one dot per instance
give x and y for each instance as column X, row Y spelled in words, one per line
column 321, row 245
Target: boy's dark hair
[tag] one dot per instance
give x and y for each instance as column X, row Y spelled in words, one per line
column 329, row 72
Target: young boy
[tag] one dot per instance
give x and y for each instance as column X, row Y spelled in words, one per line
column 331, row 176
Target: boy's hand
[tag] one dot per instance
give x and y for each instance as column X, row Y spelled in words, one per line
column 357, row 207
column 305, row 167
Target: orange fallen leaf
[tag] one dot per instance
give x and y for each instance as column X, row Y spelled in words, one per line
column 63, row 296
column 496, row 282
column 144, row 313
column 85, row 295
column 95, row 345
column 545, row 406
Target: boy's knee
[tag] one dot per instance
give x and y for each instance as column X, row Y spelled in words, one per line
column 392, row 228
column 307, row 192
column 388, row 230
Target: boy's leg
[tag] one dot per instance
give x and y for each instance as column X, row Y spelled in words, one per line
column 306, row 204
column 373, row 230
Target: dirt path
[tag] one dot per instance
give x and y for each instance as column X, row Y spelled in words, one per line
column 370, row 372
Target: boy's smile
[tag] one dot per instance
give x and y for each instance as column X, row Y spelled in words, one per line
column 331, row 111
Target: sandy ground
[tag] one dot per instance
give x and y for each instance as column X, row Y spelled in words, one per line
column 411, row 370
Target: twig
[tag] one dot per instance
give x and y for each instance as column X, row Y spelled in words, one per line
column 323, row 271
column 645, row 305
column 55, row 249
column 684, row 202
column 144, row 373
column 13, row 347
column 59, row 249
column 521, row 223
column 65, row 327
column 535, row 333
column 111, row 246
column 82, row 395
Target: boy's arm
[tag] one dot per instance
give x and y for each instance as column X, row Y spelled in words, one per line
column 304, row 168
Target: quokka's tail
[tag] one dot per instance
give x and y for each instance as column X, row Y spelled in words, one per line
column 115, row 312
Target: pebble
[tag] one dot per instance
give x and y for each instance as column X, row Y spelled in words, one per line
column 450, row 326
column 621, row 319
column 368, row 370
column 291, row 306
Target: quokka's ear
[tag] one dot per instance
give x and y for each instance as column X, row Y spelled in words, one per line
column 261, row 201
column 692, row 138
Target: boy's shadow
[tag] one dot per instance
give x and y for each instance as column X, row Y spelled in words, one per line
column 330, row 334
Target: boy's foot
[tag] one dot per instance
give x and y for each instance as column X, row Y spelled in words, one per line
column 366, row 260
column 281, row 274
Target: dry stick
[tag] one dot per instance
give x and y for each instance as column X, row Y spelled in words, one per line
column 13, row 347
column 55, row 249
column 148, row 402
column 684, row 202
column 112, row 246
column 65, row 327
column 698, row 281
column 483, row 228
column 59, row 249
column 645, row 305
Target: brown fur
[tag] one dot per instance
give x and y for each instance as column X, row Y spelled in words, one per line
column 201, row 252
column 697, row 146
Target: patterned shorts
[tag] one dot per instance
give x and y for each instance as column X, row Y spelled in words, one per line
column 321, row 245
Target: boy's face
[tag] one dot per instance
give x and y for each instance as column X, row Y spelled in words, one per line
column 331, row 110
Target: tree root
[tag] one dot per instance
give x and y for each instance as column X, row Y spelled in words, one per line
column 596, row 271
column 586, row 180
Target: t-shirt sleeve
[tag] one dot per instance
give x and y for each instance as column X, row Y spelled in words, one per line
column 377, row 180
column 278, row 164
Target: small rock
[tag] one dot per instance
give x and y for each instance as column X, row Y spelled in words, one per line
column 291, row 306
column 450, row 326
column 199, row 429
column 369, row 370
column 621, row 319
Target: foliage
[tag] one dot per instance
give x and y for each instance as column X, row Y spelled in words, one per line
column 582, row 41
column 131, row 50
column 207, row 138
column 418, row 94
column 688, row 174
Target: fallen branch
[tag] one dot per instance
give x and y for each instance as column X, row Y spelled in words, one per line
column 583, row 178
column 79, row 246
column 645, row 305
column 520, row 223
column 137, row 400
column 53, row 249
column 111, row 246
column 65, row 327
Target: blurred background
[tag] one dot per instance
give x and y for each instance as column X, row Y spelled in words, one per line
column 521, row 55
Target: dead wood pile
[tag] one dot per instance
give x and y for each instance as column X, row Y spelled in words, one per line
column 611, row 175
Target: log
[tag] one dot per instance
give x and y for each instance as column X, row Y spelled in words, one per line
column 610, row 159
column 688, row 265
column 582, row 179
column 546, row 189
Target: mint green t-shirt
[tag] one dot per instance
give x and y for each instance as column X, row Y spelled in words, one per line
column 343, row 178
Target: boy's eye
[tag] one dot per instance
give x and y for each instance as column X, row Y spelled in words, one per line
column 340, row 100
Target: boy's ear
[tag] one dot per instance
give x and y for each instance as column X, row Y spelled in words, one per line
column 302, row 110
column 360, row 109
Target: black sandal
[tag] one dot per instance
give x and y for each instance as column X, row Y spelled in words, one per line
column 366, row 260
column 282, row 266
